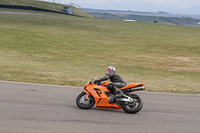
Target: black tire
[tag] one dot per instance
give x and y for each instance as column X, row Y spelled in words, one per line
column 81, row 103
column 133, row 108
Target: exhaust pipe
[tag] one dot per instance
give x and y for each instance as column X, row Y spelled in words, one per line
column 137, row 88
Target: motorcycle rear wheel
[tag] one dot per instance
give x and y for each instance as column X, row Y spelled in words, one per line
column 84, row 103
column 136, row 107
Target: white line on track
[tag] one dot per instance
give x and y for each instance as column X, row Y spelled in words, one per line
column 23, row 83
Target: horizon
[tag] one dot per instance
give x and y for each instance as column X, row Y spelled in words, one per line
column 183, row 7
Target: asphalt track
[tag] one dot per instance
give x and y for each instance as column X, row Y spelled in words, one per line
column 34, row 108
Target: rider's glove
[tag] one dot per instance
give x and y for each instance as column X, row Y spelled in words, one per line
column 96, row 81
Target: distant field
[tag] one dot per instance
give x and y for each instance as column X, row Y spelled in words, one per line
column 168, row 19
column 67, row 50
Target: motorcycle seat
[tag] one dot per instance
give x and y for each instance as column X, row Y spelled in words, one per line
column 131, row 85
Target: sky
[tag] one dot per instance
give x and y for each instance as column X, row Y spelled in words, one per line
column 172, row 6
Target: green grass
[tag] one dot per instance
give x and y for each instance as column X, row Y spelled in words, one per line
column 45, row 5
column 67, row 50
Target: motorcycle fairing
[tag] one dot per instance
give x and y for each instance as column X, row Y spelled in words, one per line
column 101, row 99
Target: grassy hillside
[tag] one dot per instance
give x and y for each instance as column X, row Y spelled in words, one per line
column 67, row 50
column 45, row 5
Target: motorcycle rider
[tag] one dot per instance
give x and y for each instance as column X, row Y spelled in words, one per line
column 117, row 82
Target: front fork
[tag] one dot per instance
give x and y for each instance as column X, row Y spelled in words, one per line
column 86, row 97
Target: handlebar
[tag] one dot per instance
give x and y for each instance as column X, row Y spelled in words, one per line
column 93, row 82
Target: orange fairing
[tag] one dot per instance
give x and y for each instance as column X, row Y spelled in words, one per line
column 132, row 85
column 100, row 97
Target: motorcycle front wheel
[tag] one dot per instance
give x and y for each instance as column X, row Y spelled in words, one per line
column 84, row 103
column 134, row 107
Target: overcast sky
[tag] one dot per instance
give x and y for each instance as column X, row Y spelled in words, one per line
column 172, row 6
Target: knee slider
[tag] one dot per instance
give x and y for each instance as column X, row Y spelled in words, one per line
column 110, row 86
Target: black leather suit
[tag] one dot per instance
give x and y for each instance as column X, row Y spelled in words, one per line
column 117, row 82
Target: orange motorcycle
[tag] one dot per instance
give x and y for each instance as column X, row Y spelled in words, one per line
column 99, row 94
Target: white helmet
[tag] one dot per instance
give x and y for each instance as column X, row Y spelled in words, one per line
column 109, row 69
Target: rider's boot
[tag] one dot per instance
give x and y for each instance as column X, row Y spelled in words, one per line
column 112, row 99
column 118, row 93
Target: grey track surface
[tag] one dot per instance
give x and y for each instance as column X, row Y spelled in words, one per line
column 8, row 12
column 33, row 108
